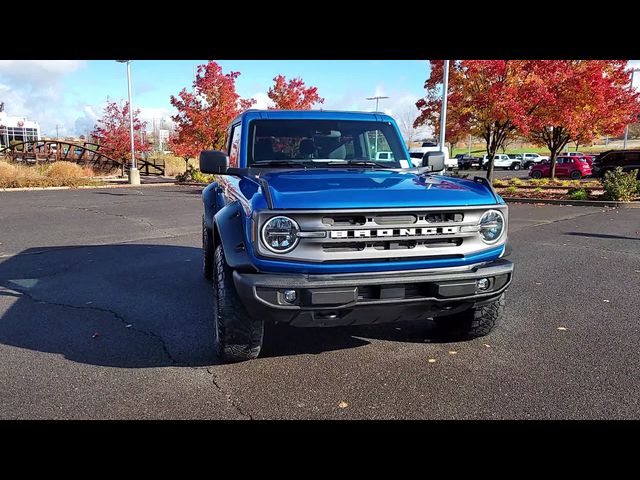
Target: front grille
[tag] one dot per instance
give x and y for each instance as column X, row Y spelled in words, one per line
column 383, row 235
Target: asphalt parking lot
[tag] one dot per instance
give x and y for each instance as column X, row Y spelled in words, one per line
column 104, row 314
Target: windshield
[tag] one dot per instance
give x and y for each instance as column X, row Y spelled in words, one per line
column 322, row 143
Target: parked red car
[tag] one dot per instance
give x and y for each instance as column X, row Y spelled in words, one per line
column 573, row 167
column 588, row 157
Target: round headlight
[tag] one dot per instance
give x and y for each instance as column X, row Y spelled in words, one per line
column 491, row 226
column 280, row 234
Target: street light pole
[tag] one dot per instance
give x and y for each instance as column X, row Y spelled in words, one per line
column 626, row 129
column 443, row 111
column 377, row 99
column 134, row 174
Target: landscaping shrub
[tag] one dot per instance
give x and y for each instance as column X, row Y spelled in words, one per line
column 60, row 174
column 14, row 176
column 194, row 175
column 537, row 190
column 64, row 170
column 174, row 165
column 516, row 181
column 578, row 194
column 499, row 183
column 512, row 189
column 621, row 186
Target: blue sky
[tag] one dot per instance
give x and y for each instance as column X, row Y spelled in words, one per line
column 71, row 94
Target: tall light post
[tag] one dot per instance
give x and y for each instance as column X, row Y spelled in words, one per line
column 134, row 173
column 377, row 99
column 626, row 129
column 443, row 111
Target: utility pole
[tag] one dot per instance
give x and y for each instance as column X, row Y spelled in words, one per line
column 134, row 174
column 57, row 136
column 626, row 129
column 377, row 99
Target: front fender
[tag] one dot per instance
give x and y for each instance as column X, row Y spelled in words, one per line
column 229, row 223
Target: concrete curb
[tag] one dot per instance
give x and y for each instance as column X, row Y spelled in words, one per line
column 85, row 187
column 582, row 203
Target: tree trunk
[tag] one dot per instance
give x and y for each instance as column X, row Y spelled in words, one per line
column 552, row 159
column 490, row 167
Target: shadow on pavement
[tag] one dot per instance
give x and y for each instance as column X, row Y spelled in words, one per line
column 140, row 306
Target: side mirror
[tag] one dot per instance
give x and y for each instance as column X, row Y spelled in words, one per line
column 213, row 161
column 434, row 160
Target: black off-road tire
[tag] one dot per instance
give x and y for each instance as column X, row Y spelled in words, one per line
column 515, row 166
column 238, row 336
column 207, row 251
column 473, row 323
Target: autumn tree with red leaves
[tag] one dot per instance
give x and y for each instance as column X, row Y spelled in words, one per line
column 292, row 95
column 205, row 113
column 585, row 98
column 431, row 104
column 490, row 99
column 112, row 132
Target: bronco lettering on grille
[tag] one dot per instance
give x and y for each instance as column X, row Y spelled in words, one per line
column 394, row 232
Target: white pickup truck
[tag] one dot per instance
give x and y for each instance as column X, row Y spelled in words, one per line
column 416, row 154
column 530, row 159
column 502, row 160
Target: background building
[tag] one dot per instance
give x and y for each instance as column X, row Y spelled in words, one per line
column 17, row 129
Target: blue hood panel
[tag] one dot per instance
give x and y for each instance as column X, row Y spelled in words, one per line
column 364, row 188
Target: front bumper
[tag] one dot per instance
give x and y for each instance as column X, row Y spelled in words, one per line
column 347, row 299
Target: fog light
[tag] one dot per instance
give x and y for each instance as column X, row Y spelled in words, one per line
column 482, row 283
column 289, row 296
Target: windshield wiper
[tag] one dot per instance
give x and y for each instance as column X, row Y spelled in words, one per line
column 280, row 163
column 363, row 163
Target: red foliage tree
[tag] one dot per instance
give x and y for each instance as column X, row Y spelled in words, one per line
column 584, row 98
column 430, row 105
column 112, row 131
column 205, row 113
column 491, row 99
column 292, row 95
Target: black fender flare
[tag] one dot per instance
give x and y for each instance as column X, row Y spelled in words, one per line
column 229, row 226
column 213, row 200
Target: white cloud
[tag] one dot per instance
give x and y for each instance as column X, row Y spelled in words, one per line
column 149, row 113
column 262, row 101
column 38, row 71
column 31, row 89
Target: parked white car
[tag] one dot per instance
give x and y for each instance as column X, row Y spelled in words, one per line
column 417, row 153
column 502, row 160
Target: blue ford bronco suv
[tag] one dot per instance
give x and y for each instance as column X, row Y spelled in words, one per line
column 308, row 225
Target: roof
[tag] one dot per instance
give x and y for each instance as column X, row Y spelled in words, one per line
column 314, row 115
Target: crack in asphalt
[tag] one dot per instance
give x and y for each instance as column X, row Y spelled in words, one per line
column 551, row 222
column 227, row 396
column 100, row 212
column 590, row 247
column 148, row 333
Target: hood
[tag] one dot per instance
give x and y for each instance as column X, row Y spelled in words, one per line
column 364, row 188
